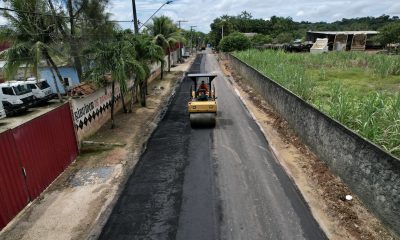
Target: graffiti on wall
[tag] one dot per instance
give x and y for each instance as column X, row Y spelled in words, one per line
column 87, row 109
column 90, row 109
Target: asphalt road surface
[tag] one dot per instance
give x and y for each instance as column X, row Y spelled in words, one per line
column 220, row 183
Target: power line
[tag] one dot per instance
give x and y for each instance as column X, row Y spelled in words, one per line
column 69, row 55
column 58, row 16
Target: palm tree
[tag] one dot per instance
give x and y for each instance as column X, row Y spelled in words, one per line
column 147, row 52
column 87, row 22
column 166, row 35
column 33, row 38
column 118, row 58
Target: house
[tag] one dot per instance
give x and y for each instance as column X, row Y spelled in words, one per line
column 68, row 73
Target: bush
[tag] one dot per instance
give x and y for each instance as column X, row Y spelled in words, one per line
column 260, row 39
column 235, row 42
column 390, row 33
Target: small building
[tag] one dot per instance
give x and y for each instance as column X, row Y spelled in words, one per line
column 345, row 40
column 68, row 73
column 250, row 35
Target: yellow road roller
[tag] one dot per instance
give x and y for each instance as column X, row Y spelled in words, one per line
column 202, row 106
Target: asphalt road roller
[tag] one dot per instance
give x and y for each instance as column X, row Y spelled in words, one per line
column 202, row 106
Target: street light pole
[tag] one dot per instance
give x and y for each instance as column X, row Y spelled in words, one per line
column 167, row 2
column 191, row 38
column 223, row 21
column 180, row 47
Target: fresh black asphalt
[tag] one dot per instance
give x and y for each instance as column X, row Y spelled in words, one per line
column 221, row 183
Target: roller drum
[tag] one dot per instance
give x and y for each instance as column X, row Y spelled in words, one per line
column 202, row 120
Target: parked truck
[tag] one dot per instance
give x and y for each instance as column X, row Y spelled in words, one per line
column 16, row 97
column 41, row 90
column 2, row 111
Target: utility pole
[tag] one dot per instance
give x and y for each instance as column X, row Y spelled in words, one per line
column 181, row 21
column 180, row 47
column 223, row 23
column 135, row 21
column 191, row 38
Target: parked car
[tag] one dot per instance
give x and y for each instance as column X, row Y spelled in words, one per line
column 16, row 97
column 2, row 111
column 40, row 88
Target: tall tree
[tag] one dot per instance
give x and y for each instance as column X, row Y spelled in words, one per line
column 33, row 36
column 118, row 58
column 390, row 33
column 166, row 34
column 87, row 22
column 148, row 53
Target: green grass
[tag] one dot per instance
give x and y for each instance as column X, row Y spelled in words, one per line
column 358, row 89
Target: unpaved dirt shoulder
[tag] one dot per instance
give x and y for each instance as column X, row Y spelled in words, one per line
column 77, row 203
column 323, row 191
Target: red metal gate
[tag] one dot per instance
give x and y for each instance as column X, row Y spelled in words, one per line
column 13, row 193
column 38, row 151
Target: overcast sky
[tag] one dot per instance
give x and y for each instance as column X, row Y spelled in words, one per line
column 201, row 13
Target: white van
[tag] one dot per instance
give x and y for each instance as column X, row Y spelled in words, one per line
column 2, row 111
column 15, row 96
column 41, row 90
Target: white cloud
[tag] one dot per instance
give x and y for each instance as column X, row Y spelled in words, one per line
column 394, row 10
column 300, row 13
column 202, row 12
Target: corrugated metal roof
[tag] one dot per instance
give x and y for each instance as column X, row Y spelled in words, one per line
column 250, row 34
column 344, row 32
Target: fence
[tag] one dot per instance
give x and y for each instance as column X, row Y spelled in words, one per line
column 92, row 112
column 32, row 156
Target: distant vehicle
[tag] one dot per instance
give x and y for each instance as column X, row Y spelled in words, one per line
column 16, row 97
column 298, row 46
column 2, row 111
column 41, row 89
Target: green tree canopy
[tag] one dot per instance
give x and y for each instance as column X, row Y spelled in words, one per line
column 235, row 42
column 165, row 34
column 33, row 37
column 390, row 33
column 280, row 29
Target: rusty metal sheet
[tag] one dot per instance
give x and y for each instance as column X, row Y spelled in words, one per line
column 47, row 145
column 13, row 193
column 340, row 42
column 32, row 156
column 359, row 42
